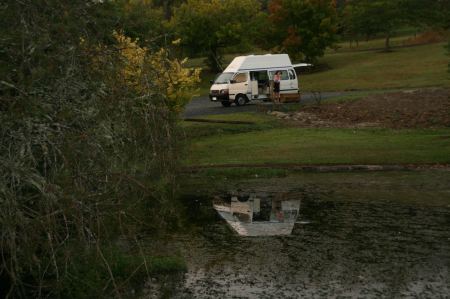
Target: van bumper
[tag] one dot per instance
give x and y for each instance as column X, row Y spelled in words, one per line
column 219, row 97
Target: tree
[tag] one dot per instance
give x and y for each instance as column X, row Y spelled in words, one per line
column 207, row 27
column 304, row 28
column 370, row 17
column 424, row 13
column 355, row 24
column 167, row 6
column 138, row 19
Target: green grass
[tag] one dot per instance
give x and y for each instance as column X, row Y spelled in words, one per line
column 322, row 146
column 244, row 116
column 411, row 67
column 195, row 130
column 229, row 173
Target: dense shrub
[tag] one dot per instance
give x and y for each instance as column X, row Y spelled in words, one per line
column 88, row 145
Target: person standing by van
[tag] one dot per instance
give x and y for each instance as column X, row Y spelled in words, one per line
column 276, row 86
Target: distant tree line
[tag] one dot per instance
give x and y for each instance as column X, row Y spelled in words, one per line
column 362, row 19
column 302, row 28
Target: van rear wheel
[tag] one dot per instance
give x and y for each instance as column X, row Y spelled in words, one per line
column 226, row 104
column 240, row 100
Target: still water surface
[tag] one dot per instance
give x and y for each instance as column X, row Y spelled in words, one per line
column 298, row 244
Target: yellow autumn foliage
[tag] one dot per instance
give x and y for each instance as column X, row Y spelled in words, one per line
column 151, row 73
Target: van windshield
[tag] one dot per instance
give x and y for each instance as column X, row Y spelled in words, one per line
column 223, row 78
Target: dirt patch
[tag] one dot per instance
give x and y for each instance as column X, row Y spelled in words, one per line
column 420, row 108
column 324, row 167
column 427, row 38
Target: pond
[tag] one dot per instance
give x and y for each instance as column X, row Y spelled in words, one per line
column 368, row 237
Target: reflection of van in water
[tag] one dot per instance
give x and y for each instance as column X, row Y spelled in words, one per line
column 259, row 216
column 249, row 78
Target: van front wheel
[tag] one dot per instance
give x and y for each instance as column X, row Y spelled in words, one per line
column 240, row 100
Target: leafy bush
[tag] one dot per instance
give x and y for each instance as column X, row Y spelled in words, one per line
column 88, row 146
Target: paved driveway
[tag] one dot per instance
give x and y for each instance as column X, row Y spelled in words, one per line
column 203, row 106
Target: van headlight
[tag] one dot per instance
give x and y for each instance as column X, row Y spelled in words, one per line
column 224, row 91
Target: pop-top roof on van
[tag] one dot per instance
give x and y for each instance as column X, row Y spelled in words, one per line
column 252, row 62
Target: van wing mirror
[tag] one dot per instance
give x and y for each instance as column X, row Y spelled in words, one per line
column 211, row 81
column 232, row 81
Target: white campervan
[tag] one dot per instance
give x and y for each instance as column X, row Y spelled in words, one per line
column 249, row 78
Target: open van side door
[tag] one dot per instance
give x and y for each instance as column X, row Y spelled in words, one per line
column 293, row 82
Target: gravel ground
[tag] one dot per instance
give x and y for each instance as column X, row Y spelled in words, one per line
column 415, row 108
column 203, row 106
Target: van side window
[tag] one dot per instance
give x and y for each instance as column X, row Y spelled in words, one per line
column 291, row 74
column 284, row 75
column 240, row 77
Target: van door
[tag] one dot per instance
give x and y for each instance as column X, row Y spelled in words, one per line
column 260, row 84
column 285, row 84
column 293, row 84
column 254, row 85
column 239, row 85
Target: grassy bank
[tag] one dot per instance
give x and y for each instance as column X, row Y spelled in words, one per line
column 402, row 68
column 269, row 142
column 405, row 37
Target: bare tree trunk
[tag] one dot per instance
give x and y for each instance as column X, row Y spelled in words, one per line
column 214, row 60
column 387, row 46
column 166, row 8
